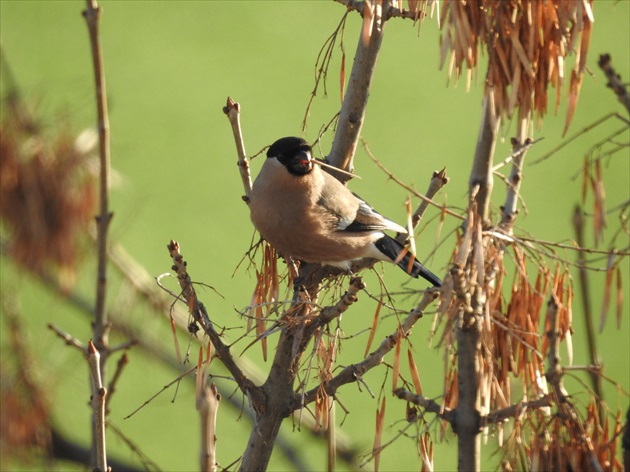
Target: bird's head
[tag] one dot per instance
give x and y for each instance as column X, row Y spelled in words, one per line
column 294, row 153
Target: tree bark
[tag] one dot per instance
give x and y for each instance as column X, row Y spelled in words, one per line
column 481, row 180
column 352, row 112
column 467, row 424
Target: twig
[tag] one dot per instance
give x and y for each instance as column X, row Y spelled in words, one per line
column 509, row 209
column 438, row 180
column 330, row 313
column 586, row 129
column 554, row 376
column 614, row 80
column 390, row 11
column 321, row 69
column 98, row 400
column 232, row 111
column 101, row 326
column 354, row 372
column 198, row 311
column 92, row 15
column 161, row 391
column 68, row 338
column 412, row 190
column 516, row 410
column 426, row 403
column 578, row 226
column 208, row 405
column 111, row 388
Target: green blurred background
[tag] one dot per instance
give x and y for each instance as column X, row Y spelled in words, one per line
column 170, row 66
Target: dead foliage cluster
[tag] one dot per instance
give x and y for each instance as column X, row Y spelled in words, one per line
column 527, row 44
column 47, row 192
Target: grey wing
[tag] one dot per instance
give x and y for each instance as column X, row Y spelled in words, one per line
column 350, row 212
column 368, row 219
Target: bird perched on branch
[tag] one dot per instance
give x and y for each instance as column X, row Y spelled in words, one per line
column 307, row 214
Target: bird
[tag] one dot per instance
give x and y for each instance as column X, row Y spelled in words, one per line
column 309, row 215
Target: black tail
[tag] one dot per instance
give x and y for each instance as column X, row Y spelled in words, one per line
column 392, row 249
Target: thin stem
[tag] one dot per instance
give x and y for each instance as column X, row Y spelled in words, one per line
column 92, row 14
column 233, row 112
column 98, row 400
column 520, row 144
column 578, row 225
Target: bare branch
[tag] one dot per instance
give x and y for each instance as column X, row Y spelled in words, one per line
column 92, row 15
column 438, row 180
column 330, row 313
column 99, row 394
column 200, row 315
column 614, row 80
column 509, row 209
column 591, row 339
column 554, row 375
column 68, row 338
column 232, row 111
column 584, row 130
column 354, row 372
column 111, row 388
column 426, row 403
column 434, row 185
column 481, row 179
column 516, row 410
column 208, row 405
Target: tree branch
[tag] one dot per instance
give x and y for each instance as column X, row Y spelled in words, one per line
column 92, row 14
column 509, row 210
column 516, row 410
column 481, row 179
column 428, row 404
column 438, row 180
column 354, row 372
column 233, row 112
column 98, row 400
column 614, row 80
column 437, row 184
column 198, row 311
column 330, row 313
column 355, row 101
column 554, row 376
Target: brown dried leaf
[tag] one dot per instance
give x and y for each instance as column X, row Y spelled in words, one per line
column 178, row 350
column 377, row 313
column 584, row 45
column 426, row 452
column 396, row 366
column 415, row 376
column 199, row 374
column 619, row 298
column 585, row 178
column 574, row 92
column 368, row 15
column 599, row 210
column 610, row 272
column 320, row 409
column 378, row 436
